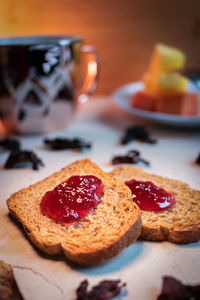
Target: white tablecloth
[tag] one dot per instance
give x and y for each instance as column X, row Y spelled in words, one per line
column 143, row 264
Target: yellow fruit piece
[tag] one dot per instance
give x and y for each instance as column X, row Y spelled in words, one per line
column 165, row 58
column 165, row 83
column 149, row 83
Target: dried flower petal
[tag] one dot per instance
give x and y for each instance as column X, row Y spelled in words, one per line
column 61, row 143
column 132, row 157
column 173, row 289
column 137, row 133
column 82, row 290
column 198, row 159
column 19, row 158
column 10, row 144
column 105, row 290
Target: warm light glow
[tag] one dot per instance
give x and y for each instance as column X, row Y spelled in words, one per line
column 92, row 68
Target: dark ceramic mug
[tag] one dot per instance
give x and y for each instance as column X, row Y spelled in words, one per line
column 41, row 80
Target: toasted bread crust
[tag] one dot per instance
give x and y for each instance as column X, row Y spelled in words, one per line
column 102, row 234
column 181, row 224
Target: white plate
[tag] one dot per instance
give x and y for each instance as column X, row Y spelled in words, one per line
column 123, row 95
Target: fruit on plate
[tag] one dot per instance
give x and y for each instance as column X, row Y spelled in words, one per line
column 165, row 89
column 162, row 76
column 185, row 104
column 165, row 83
column 166, row 58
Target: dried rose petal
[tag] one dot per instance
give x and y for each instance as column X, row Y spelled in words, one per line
column 61, row 143
column 198, row 159
column 105, row 290
column 131, row 157
column 10, row 144
column 8, row 286
column 137, row 133
column 18, row 158
column 82, row 290
column 173, row 289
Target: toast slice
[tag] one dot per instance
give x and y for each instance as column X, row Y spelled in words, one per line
column 181, row 224
column 113, row 225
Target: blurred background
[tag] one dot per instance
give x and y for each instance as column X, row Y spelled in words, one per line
column 123, row 31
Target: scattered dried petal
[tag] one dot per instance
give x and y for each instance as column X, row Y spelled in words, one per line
column 8, row 286
column 198, row 159
column 105, row 290
column 137, row 133
column 132, row 157
column 173, row 289
column 82, row 290
column 61, row 143
column 18, row 158
column 10, row 144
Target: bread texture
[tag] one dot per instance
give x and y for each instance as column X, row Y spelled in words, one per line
column 8, row 286
column 180, row 224
column 113, row 225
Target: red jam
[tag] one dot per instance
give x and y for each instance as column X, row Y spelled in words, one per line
column 73, row 199
column 150, row 197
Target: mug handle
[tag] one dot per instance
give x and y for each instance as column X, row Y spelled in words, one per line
column 90, row 71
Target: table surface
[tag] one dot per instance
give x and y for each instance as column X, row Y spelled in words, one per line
column 143, row 264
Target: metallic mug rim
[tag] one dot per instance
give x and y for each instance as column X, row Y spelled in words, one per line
column 32, row 40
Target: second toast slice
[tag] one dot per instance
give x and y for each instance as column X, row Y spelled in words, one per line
column 180, row 224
